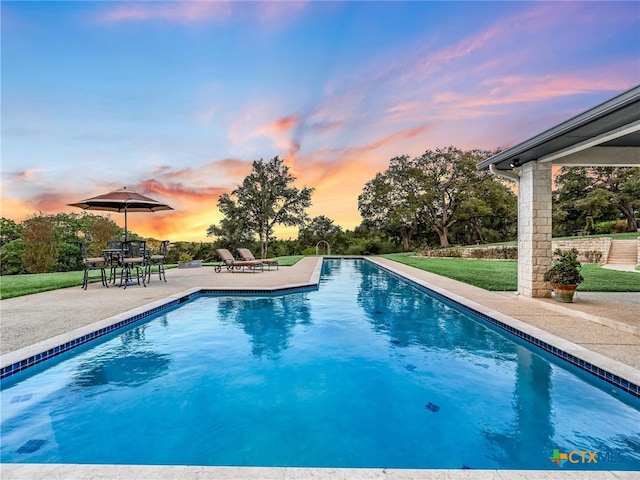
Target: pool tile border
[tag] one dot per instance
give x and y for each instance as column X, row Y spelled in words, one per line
column 126, row 319
column 491, row 317
column 12, row 365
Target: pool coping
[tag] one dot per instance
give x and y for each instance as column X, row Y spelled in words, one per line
column 73, row 471
column 178, row 472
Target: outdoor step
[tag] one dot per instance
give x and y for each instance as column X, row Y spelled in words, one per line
column 623, row 252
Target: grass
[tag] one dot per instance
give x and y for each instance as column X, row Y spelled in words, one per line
column 502, row 275
column 19, row 285
column 614, row 236
column 494, row 275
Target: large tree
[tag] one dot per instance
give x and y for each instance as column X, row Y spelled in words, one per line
column 436, row 190
column 451, row 187
column 266, row 198
column 392, row 202
column 320, row 228
column 600, row 192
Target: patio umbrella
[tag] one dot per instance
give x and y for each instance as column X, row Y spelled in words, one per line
column 122, row 200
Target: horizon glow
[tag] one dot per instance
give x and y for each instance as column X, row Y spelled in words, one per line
column 175, row 99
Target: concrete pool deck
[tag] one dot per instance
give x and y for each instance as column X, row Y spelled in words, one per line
column 602, row 327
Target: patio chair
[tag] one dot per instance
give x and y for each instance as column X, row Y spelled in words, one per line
column 134, row 263
column 112, row 255
column 92, row 264
column 232, row 264
column 247, row 255
column 157, row 260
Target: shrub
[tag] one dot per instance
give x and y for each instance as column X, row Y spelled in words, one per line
column 592, row 256
column 11, row 258
column 620, row 226
column 590, row 227
column 604, row 227
column 441, row 252
column 185, row 257
column 40, row 245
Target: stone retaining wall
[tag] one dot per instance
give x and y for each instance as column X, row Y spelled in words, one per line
column 585, row 247
column 600, row 244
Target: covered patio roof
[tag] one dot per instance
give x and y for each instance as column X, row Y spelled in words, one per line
column 605, row 135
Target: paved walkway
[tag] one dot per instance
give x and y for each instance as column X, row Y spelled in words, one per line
column 603, row 327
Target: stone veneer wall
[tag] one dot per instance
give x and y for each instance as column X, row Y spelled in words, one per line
column 601, row 244
column 534, row 229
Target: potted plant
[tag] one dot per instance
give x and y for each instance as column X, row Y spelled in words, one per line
column 564, row 274
column 184, row 260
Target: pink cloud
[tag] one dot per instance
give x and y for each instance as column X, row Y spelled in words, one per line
column 283, row 124
column 181, row 12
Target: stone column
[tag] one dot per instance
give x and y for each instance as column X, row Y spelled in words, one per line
column 534, row 229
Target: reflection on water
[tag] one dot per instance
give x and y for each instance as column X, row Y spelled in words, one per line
column 410, row 317
column 132, row 363
column 368, row 371
column 268, row 321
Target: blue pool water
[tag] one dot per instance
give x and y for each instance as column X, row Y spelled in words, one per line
column 367, row 371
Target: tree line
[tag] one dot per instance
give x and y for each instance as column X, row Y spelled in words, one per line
column 436, row 199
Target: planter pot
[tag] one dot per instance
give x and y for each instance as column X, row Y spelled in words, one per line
column 191, row 264
column 564, row 293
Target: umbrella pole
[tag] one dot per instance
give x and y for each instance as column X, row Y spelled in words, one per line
column 126, row 233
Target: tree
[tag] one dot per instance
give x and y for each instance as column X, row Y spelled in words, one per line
column 451, row 187
column 40, row 244
column 233, row 229
column 265, row 198
column 492, row 213
column 603, row 193
column 320, row 228
column 9, row 231
column 391, row 202
column 436, row 190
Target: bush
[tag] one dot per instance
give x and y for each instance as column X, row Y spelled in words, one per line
column 620, row 226
column 185, row 257
column 40, row 245
column 589, row 228
column 11, row 258
column 497, row 253
column 592, row 256
column 602, row 228
column 441, row 252
column 69, row 257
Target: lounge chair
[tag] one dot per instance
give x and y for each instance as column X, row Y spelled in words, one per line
column 245, row 254
column 232, row 264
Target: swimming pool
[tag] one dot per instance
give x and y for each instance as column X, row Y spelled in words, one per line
column 368, row 371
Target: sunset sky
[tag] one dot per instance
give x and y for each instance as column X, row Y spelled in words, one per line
column 176, row 99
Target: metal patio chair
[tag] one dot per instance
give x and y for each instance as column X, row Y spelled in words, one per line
column 157, row 260
column 92, row 264
column 134, row 263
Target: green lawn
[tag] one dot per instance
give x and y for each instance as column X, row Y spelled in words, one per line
column 502, row 275
column 18, row 285
column 495, row 275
